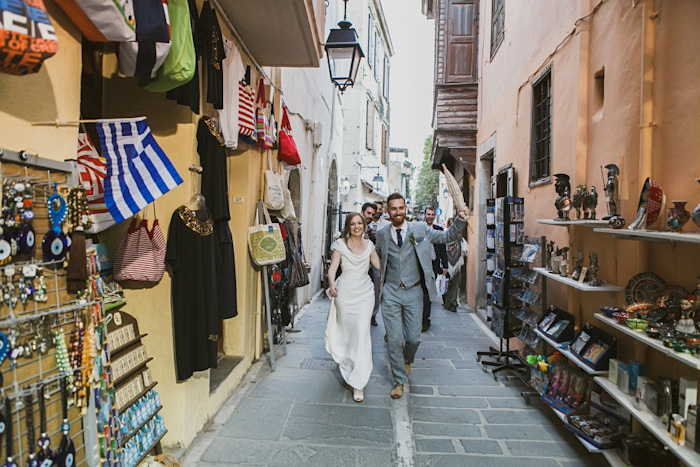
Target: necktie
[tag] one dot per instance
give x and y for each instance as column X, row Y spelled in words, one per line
column 399, row 240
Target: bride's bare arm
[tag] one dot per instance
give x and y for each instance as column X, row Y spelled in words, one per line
column 332, row 269
column 374, row 259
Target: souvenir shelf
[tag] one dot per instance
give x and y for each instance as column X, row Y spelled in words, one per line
column 509, row 238
column 490, row 252
column 132, row 379
column 651, row 422
column 653, row 235
column 653, row 343
column 582, row 286
column 583, row 222
column 568, row 354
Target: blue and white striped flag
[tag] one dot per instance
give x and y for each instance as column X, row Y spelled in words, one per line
column 138, row 171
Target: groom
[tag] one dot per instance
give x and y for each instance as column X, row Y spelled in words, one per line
column 407, row 271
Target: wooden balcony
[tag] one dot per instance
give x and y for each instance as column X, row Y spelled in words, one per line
column 454, row 123
column 286, row 33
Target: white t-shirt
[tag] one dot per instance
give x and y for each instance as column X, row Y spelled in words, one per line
column 233, row 71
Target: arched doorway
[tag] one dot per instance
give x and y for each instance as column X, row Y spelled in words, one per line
column 294, row 185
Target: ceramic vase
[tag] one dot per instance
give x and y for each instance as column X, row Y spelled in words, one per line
column 678, row 215
column 696, row 211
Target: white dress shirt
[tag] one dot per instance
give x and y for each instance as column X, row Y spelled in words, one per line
column 404, row 233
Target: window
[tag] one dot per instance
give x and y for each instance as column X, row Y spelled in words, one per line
column 375, row 63
column 370, row 41
column 541, row 151
column 385, row 144
column 498, row 15
column 461, row 38
column 370, row 125
column 386, row 77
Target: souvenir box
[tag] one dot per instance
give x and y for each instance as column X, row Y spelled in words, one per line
column 597, row 426
column 557, row 324
column 598, row 348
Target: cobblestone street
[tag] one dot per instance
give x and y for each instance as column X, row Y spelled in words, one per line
column 454, row 414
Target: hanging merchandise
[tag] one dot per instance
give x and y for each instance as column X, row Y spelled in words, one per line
column 145, row 56
column 28, row 38
column 265, row 241
column 209, row 36
column 246, row 110
column 262, row 125
column 288, row 152
column 138, row 171
column 191, row 253
column 287, row 212
column 17, row 233
column 141, row 254
column 233, row 93
column 295, row 267
column 92, row 170
column 55, row 244
column 181, row 62
column 274, row 186
column 103, row 20
column 188, row 94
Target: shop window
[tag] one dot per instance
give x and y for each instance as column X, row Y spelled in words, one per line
column 541, row 150
column 498, row 16
column 370, row 125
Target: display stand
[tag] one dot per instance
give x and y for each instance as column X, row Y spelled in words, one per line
column 509, row 239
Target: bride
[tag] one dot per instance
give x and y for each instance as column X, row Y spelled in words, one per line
column 352, row 300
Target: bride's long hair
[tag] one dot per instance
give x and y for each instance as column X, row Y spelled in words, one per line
column 348, row 219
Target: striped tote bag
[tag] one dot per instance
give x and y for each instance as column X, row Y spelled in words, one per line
column 246, row 111
column 141, row 254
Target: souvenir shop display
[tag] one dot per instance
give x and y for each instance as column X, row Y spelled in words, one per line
column 532, row 307
column 187, row 93
column 612, row 190
column 598, row 426
column 651, row 202
column 678, row 216
column 141, row 253
column 213, row 55
column 577, row 200
column 563, row 202
column 568, row 389
column 593, row 268
column 509, row 239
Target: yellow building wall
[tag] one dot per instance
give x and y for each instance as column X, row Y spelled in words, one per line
column 54, row 94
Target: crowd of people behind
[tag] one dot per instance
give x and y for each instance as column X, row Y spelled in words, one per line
column 406, row 258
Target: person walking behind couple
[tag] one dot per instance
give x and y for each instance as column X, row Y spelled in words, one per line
column 404, row 249
column 352, row 300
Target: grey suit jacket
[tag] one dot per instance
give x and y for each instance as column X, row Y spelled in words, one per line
column 423, row 235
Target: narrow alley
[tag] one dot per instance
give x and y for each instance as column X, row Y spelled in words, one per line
column 454, row 414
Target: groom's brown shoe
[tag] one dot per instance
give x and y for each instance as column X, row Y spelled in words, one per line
column 397, row 392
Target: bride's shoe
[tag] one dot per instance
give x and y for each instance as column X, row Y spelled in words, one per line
column 358, row 395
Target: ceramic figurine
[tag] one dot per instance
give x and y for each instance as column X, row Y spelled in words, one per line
column 593, row 271
column 696, row 211
column 563, row 202
column 579, row 264
column 556, row 260
column 616, row 222
column 549, row 253
column 564, row 262
column 590, row 201
column 685, row 323
column 677, row 216
column 612, row 191
column 577, row 200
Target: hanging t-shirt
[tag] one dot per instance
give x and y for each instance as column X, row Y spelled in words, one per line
column 212, row 46
column 234, row 71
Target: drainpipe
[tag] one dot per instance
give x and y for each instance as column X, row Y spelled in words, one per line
column 646, row 124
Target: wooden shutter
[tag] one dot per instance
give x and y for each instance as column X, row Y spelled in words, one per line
column 370, row 125
column 498, row 10
column 461, row 47
column 385, row 144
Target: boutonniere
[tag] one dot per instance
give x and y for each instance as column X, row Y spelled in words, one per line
column 412, row 238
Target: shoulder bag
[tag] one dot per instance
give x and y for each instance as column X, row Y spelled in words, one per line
column 288, row 152
column 141, row 254
column 274, row 188
column 265, row 241
column 262, row 125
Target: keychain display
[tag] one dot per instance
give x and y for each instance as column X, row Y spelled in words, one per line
column 16, row 231
column 55, row 244
column 44, row 443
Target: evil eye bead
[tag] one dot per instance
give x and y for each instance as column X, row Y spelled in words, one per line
column 5, row 250
column 19, row 187
column 28, row 215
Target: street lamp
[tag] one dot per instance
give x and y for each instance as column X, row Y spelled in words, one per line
column 344, row 53
column 378, row 180
column 446, row 193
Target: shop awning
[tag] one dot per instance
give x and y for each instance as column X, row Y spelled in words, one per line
column 286, row 33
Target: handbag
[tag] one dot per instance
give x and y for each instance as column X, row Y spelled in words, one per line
column 288, row 151
column 442, row 284
column 141, row 254
column 181, row 61
column 28, row 37
column 287, row 212
column 246, row 112
column 274, row 188
column 265, row 241
column 262, row 125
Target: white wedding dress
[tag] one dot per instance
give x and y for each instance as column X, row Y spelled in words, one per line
column 347, row 329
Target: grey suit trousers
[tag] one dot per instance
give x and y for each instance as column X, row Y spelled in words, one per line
column 398, row 303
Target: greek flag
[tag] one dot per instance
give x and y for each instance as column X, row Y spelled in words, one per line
column 138, row 171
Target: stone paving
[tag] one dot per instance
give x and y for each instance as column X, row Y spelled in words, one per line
column 453, row 413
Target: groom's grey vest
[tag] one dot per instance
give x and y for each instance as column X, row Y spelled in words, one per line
column 402, row 264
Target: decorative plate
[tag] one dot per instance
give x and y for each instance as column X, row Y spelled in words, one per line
column 644, row 287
